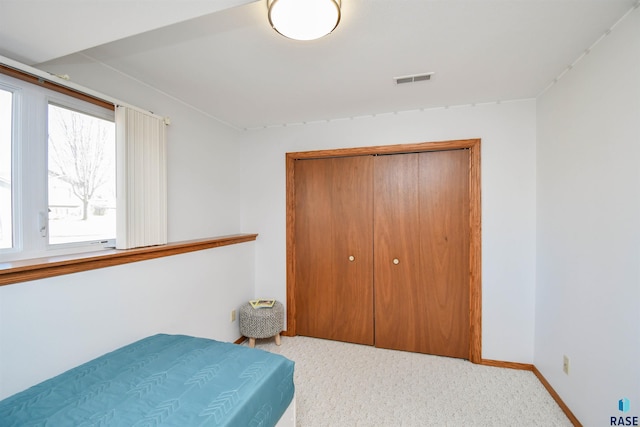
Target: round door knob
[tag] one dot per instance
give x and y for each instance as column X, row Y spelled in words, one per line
column 396, row 261
column 352, row 258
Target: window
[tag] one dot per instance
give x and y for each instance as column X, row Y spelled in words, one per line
column 6, row 204
column 57, row 172
column 81, row 177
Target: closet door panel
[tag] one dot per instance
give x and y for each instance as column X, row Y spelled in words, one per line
column 444, row 240
column 421, row 220
column 399, row 295
column 334, row 254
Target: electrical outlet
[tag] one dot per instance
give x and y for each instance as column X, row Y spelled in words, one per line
column 565, row 364
column 233, row 315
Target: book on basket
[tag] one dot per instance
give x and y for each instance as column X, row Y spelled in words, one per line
column 262, row 303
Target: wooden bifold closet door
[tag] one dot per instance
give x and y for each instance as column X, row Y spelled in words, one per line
column 334, row 258
column 382, row 250
column 421, row 252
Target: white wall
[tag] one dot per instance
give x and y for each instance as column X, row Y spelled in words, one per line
column 47, row 326
column 508, row 202
column 588, row 231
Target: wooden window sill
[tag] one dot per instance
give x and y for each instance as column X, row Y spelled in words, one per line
column 41, row 268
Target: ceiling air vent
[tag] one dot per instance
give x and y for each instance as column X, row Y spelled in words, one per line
column 413, row 78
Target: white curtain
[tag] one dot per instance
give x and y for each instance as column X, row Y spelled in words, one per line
column 141, row 167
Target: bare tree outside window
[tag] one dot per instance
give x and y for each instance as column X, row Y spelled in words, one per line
column 81, row 177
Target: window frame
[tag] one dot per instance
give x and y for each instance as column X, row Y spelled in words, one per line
column 29, row 168
column 91, row 110
column 16, row 161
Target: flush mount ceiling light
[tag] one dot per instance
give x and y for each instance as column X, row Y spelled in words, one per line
column 304, row 19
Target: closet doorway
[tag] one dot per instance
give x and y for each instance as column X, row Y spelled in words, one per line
column 383, row 246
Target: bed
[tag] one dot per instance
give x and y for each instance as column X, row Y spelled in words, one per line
column 168, row 380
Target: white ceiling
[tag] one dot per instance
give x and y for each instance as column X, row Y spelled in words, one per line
column 33, row 31
column 222, row 58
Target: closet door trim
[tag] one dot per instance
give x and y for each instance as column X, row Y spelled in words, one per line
column 475, row 273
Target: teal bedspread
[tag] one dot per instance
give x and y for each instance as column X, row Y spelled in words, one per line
column 162, row 380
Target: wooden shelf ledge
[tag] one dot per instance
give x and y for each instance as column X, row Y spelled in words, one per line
column 41, row 268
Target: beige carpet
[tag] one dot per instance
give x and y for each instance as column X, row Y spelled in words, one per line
column 343, row 385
